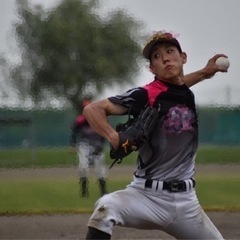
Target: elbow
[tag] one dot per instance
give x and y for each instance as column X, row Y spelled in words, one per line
column 86, row 110
column 90, row 110
column 99, row 107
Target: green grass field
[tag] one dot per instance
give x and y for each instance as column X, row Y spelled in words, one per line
column 50, row 157
column 41, row 194
column 46, row 195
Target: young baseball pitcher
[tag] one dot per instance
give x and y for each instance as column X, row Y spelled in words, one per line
column 162, row 193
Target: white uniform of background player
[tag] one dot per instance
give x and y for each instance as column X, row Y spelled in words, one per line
column 162, row 194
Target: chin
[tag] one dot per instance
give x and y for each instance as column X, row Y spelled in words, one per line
column 170, row 76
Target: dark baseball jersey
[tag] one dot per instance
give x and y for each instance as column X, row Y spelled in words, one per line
column 171, row 150
column 82, row 131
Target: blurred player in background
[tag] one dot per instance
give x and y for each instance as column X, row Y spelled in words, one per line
column 89, row 147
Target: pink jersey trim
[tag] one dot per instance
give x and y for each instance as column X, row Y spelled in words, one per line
column 154, row 89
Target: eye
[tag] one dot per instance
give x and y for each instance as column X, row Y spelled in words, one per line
column 156, row 55
column 170, row 50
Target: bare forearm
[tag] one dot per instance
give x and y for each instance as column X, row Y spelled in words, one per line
column 97, row 119
column 194, row 78
column 96, row 114
column 207, row 72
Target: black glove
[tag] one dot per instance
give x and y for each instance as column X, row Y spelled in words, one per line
column 134, row 133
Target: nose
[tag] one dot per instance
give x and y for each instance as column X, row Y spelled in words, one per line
column 165, row 58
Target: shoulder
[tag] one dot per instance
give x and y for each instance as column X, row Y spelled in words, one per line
column 134, row 95
column 134, row 99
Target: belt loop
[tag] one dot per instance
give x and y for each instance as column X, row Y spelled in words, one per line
column 154, row 185
column 193, row 182
column 188, row 184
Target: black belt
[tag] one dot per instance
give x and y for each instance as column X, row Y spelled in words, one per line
column 171, row 186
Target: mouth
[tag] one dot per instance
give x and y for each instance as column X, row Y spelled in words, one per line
column 168, row 67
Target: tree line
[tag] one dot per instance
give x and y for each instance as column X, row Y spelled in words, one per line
column 69, row 51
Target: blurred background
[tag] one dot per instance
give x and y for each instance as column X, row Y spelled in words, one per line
column 53, row 53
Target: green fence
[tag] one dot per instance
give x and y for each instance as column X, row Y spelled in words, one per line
column 219, row 126
column 52, row 128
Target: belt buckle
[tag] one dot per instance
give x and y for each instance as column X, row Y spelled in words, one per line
column 173, row 186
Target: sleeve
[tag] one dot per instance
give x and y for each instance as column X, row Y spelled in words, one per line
column 134, row 100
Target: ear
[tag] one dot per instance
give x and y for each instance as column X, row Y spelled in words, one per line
column 152, row 68
column 184, row 57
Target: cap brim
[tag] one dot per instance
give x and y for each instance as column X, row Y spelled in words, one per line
column 149, row 46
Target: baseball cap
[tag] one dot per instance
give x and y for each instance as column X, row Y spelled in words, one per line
column 160, row 36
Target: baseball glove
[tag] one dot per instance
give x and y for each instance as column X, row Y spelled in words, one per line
column 134, row 133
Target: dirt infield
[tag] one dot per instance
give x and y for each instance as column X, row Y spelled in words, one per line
column 73, row 226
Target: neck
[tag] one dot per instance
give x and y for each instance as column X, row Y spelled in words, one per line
column 176, row 80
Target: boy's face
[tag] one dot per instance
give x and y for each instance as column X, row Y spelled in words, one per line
column 166, row 62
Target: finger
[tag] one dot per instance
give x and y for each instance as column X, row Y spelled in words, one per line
column 216, row 56
column 221, row 69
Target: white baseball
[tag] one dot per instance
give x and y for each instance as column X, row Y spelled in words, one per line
column 223, row 62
